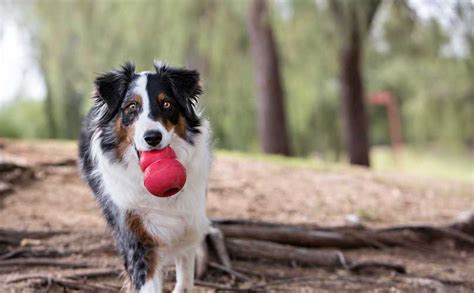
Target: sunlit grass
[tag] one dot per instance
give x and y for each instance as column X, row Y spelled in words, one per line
column 298, row 162
column 410, row 161
column 424, row 162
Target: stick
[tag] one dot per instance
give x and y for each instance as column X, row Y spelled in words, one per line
column 229, row 271
column 15, row 237
column 217, row 240
column 92, row 273
column 79, row 285
column 50, row 252
column 43, row 262
column 211, row 285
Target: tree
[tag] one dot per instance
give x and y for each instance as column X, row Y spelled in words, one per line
column 271, row 118
column 354, row 18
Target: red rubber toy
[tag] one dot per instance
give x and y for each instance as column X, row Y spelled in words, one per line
column 164, row 176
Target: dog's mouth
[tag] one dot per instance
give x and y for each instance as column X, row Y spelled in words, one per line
column 137, row 151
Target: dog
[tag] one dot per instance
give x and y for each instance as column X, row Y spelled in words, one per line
column 134, row 112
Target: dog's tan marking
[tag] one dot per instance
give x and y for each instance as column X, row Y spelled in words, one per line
column 180, row 128
column 161, row 98
column 138, row 99
column 124, row 137
column 135, row 224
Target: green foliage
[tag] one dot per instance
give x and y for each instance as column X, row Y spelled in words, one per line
column 23, row 119
column 435, row 93
column 78, row 39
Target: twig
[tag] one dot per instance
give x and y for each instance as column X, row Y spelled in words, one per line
column 80, row 285
column 50, row 252
column 92, row 273
column 15, row 237
column 12, row 253
column 449, row 232
column 43, row 262
column 287, row 281
column 229, row 271
column 211, row 285
column 217, row 240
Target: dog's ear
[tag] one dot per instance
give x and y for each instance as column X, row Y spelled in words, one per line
column 111, row 87
column 184, row 83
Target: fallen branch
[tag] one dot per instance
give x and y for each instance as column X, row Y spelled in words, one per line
column 245, row 249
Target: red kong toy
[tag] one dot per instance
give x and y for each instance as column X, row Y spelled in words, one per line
column 163, row 175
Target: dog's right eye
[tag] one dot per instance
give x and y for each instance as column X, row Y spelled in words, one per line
column 132, row 107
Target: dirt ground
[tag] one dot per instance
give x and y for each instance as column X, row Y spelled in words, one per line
column 252, row 189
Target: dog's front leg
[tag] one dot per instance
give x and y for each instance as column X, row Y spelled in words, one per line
column 155, row 284
column 185, row 271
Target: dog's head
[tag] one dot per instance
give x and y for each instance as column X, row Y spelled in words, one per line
column 148, row 109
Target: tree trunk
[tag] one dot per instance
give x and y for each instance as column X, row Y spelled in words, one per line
column 49, row 110
column 270, row 106
column 353, row 103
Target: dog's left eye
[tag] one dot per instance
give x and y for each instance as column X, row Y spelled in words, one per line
column 166, row 105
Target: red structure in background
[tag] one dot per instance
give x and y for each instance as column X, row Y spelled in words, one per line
column 386, row 99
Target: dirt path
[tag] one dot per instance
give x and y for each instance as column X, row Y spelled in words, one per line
column 245, row 188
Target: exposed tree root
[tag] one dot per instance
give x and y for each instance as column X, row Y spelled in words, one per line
column 346, row 237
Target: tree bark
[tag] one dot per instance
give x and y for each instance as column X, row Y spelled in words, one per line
column 354, row 19
column 246, row 249
column 347, row 237
column 271, row 118
column 353, row 103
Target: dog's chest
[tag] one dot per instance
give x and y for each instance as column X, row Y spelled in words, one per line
column 174, row 231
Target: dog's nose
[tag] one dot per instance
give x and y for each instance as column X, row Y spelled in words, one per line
column 152, row 137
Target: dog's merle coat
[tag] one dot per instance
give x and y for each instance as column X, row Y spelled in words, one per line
column 128, row 105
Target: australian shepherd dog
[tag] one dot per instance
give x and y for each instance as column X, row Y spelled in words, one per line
column 135, row 112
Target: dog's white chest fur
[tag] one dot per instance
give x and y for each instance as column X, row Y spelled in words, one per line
column 177, row 221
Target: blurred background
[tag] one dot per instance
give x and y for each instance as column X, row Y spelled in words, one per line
column 382, row 83
column 348, row 121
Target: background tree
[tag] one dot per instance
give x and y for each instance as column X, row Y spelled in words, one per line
column 354, row 18
column 405, row 53
column 270, row 103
